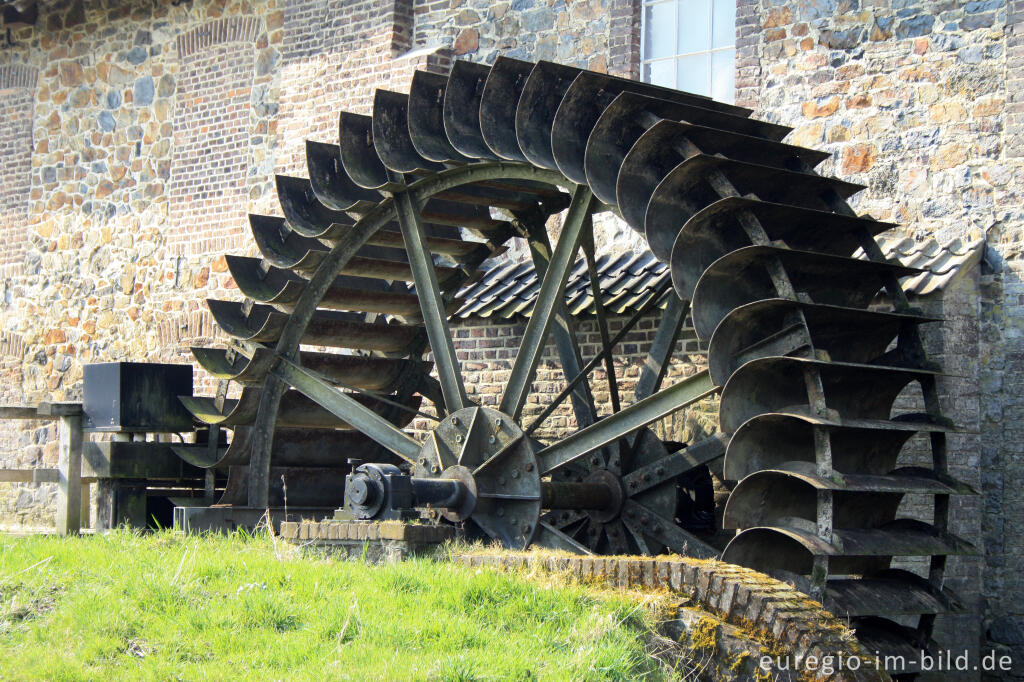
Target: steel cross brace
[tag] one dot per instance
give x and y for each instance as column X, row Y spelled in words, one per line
column 564, row 330
column 552, row 292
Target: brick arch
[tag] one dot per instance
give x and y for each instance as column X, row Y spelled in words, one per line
column 11, row 346
column 218, row 32
column 17, row 101
column 14, row 76
column 212, row 133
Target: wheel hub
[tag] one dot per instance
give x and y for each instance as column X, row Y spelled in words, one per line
column 478, row 466
column 617, row 495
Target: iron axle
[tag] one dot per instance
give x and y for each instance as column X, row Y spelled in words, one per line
column 381, row 491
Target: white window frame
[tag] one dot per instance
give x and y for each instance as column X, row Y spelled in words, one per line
column 644, row 61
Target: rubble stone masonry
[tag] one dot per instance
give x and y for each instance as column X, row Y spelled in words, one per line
column 137, row 136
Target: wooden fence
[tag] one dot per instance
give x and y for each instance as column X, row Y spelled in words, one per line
column 73, row 490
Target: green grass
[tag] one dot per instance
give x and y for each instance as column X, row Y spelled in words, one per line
column 164, row 606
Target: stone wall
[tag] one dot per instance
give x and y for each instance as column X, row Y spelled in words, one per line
column 136, row 136
column 920, row 101
column 577, row 33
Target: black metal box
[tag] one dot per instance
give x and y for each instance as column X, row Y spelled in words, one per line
column 136, row 396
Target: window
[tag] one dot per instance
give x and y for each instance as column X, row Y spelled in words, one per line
column 691, row 45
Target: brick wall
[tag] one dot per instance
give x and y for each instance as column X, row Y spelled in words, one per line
column 357, row 46
column 624, row 25
column 487, row 349
column 17, row 90
column 212, row 135
column 1001, row 355
column 953, row 344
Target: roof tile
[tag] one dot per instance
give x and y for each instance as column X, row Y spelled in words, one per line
column 628, row 279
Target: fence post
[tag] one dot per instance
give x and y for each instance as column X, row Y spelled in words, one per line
column 69, row 464
column 86, row 506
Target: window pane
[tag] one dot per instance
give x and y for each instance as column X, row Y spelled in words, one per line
column 658, row 22
column 724, row 23
column 723, row 75
column 694, row 26
column 692, row 73
column 661, row 73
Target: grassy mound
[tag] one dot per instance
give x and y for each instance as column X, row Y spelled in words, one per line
column 164, row 606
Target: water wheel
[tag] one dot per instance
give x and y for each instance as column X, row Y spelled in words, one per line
column 357, row 282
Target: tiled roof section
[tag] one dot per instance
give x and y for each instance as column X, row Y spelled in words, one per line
column 940, row 262
column 628, row 279
column 509, row 289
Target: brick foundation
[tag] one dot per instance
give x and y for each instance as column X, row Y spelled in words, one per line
column 371, row 541
column 743, row 611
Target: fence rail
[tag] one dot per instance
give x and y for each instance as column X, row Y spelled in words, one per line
column 72, row 504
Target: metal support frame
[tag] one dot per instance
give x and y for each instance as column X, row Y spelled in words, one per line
column 625, row 422
column 602, row 320
column 288, row 344
column 344, row 249
column 552, row 292
column 345, row 407
column 435, row 319
column 564, row 330
column 651, row 303
column 664, row 344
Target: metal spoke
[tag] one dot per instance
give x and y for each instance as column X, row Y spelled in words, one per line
column 616, row 534
column 435, row 319
column 262, row 438
column 347, row 408
column 666, row 532
column 475, row 430
column 651, row 303
column 565, row 518
column 594, row 530
column 656, row 365
column 625, row 422
column 602, row 320
column 565, row 329
column 445, row 457
column 381, row 398
column 549, row 536
column 552, row 291
column 638, row 537
column 668, row 468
